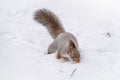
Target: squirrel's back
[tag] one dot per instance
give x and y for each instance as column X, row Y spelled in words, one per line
column 66, row 37
column 50, row 20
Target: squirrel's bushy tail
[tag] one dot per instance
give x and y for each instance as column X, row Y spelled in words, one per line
column 50, row 20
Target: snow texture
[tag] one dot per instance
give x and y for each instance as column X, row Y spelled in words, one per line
column 24, row 42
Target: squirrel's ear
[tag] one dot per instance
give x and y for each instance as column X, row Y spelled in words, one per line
column 71, row 46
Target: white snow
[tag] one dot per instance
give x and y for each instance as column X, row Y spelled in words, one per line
column 24, row 42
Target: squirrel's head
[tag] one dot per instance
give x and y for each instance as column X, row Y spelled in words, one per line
column 73, row 53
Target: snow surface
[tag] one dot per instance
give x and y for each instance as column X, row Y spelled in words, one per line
column 24, row 42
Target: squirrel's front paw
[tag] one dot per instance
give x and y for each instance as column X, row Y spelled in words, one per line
column 59, row 56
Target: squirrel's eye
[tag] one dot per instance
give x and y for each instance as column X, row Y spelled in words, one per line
column 73, row 56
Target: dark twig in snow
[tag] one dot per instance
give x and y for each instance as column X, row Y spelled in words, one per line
column 109, row 35
column 73, row 72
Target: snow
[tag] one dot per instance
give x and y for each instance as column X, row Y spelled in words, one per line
column 24, row 42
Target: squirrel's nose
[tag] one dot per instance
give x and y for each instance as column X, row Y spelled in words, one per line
column 77, row 60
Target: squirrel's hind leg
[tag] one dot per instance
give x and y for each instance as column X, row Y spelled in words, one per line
column 52, row 48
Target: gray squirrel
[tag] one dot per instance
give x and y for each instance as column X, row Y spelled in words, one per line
column 64, row 43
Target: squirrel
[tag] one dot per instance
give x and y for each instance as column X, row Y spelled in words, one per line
column 64, row 42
